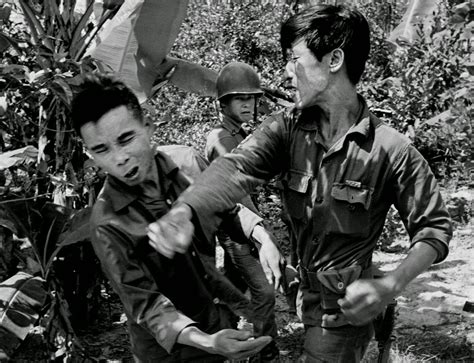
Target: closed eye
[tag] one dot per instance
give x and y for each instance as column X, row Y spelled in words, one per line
column 126, row 137
column 98, row 149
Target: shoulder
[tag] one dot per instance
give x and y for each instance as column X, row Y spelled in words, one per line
column 389, row 139
column 102, row 211
column 219, row 141
column 183, row 157
column 216, row 134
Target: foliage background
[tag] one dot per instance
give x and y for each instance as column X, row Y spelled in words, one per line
column 424, row 89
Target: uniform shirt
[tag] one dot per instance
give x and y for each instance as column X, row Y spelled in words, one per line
column 162, row 295
column 222, row 140
column 337, row 198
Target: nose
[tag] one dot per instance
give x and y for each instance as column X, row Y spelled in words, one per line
column 121, row 158
column 288, row 76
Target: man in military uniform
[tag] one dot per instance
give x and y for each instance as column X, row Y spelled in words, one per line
column 176, row 311
column 238, row 91
column 342, row 170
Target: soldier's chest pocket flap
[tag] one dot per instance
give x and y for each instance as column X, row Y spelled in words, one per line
column 352, row 194
column 295, row 195
column 350, row 209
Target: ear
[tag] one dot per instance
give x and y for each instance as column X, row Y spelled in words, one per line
column 149, row 125
column 223, row 106
column 337, row 60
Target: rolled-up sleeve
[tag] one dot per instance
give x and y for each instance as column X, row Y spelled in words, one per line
column 419, row 202
column 136, row 288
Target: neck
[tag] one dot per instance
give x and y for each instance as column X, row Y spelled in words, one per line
column 339, row 114
column 151, row 185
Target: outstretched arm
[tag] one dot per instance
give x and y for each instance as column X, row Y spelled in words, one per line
column 230, row 343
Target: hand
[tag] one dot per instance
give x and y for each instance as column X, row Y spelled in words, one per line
column 173, row 232
column 236, row 344
column 271, row 259
column 365, row 299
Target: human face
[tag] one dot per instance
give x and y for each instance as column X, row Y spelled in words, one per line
column 240, row 107
column 309, row 77
column 119, row 143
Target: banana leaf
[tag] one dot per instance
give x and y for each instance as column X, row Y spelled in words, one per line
column 22, row 298
column 188, row 76
column 419, row 12
column 27, row 154
column 136, row 41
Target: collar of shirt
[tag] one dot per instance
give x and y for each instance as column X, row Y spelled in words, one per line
column 306, row 121
column 121, row 195
column 231, row 125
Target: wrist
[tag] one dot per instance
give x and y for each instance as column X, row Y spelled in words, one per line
column 193, row 336
column 184, row 209
column 260, row 235
column 393, row 284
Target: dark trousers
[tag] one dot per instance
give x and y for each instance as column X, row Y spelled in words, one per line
column 244, row 262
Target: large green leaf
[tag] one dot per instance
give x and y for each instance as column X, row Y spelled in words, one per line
column 6, row 42
column 27, row 154
column 37, row 30
column 419, row 12
column 188, row 76
column 137, row 40
column 22, row 298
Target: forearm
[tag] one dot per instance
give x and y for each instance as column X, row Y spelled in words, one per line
column 419, row 259
column 196, row 338
column 261, row 236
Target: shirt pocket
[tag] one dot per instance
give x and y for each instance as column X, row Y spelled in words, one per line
column 350, row 210
column 295, row 194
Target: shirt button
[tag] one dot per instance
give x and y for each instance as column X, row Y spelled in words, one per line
column 340, row 285
column 315, row 240
column 319, row 199
column 206, row 276
column 193, row 254
column 352, row 207
column 216, row 300
column 169, row 201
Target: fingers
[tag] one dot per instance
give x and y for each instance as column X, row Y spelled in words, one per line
column 250, row 347
column 173, row 232
column 362, row 303
column 156, row 240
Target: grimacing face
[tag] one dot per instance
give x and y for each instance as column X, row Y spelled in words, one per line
column 309, row 77
column 240, row 107
column 119, row 143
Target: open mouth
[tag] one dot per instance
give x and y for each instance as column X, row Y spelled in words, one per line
column 132, row 173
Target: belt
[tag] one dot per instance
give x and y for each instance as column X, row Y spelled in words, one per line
column 311, row 280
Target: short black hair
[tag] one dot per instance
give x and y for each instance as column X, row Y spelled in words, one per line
column 97, row 95
column 327, row 27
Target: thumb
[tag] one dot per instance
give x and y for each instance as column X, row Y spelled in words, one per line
column 238, row 334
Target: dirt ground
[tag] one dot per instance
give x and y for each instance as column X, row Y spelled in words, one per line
column 430, row 326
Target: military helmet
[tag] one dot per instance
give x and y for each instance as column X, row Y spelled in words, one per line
column 237, row 78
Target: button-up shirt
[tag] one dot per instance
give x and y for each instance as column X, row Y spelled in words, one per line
column 224, row 138
column 337, row 198
column 161, row 295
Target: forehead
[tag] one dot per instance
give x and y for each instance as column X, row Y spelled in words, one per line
column 111, row 126
column 299, row 46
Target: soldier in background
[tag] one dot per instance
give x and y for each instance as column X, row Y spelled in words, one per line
column 238, row 91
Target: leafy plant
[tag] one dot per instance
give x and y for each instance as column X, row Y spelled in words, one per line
column 40, row 68
column 426, row 91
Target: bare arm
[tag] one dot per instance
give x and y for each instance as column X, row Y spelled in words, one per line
column 365, row 299
column 227, row 342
